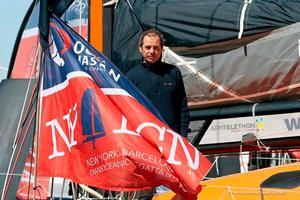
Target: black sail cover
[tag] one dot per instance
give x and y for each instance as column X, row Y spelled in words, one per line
column 229, row 51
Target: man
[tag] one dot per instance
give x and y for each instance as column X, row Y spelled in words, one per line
column 161, row 82
column 163, row 85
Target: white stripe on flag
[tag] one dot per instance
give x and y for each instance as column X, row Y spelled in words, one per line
column 115, row 91
column 76, row 74
column 64, row 84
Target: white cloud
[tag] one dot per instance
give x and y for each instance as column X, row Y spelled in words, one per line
column 3, row 72
column 3, row 69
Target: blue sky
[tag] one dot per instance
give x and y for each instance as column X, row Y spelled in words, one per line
column 11, row 16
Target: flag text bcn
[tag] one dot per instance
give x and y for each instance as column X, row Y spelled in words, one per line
column 162, row 131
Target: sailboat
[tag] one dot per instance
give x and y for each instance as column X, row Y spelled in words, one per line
column 239, row 61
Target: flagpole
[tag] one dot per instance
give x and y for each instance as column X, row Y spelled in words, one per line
column 52, row 186
column 43, row 33
column 37, row 125
column 91, row 191
column 74, row 190
column 62, row 189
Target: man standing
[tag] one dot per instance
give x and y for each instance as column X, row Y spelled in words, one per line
column 161, row 82
column 163, row 85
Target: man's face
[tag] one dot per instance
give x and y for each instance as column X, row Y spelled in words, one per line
column 151, row 49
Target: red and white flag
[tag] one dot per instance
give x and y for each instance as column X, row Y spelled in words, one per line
column 98, row 129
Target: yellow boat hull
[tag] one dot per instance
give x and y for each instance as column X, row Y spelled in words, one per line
column 244, row 186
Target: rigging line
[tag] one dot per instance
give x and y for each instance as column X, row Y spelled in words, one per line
column 266, row 158
column 261, row 158
column 37, row 131
column 280, row 134
column 230, row 154
column 10, row 174
column 261, row 194
column 253, row 109
column 242, row 18
column 116, row 5
column 62, row 189
column 223, row 195
column 260, row 144
column 121, row 196
column 134, row 194
column 18, row 154
column 277, row 190
column 135, row 15
column 74, row 191
column 214, row 163
column 8, row 180
column 91, row 191
column 204, row 77
column 26, row 94
column 27, row 113
column 5, row 186
column 80, row 17
column 256, row 124
column 51, row 187
column 241, row 158
column 230, row 193
column 217, row 166
column 37, row 127
column 30, row 168
column 111, row 2
column 275, row 151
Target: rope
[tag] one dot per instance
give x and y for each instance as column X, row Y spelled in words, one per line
column 29, row 108
column 259, row 143
column 91, row 191
column 230, row 188
column 8, row 180
column 62, row 189
column 30, row 167
column 203, row 77
column 38, row 117
column 242, row 18
column 241, row 158
column 230, row 192
column 135, row 15
column 262, row 158
column 16, row 139
column 10, row 174
column 26, row 95
column 80, row 17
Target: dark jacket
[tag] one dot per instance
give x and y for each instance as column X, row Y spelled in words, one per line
column 163, row 85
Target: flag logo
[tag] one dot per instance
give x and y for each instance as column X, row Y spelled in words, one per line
column 90, row 113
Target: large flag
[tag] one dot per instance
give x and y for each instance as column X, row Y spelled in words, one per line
column 98, row 129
